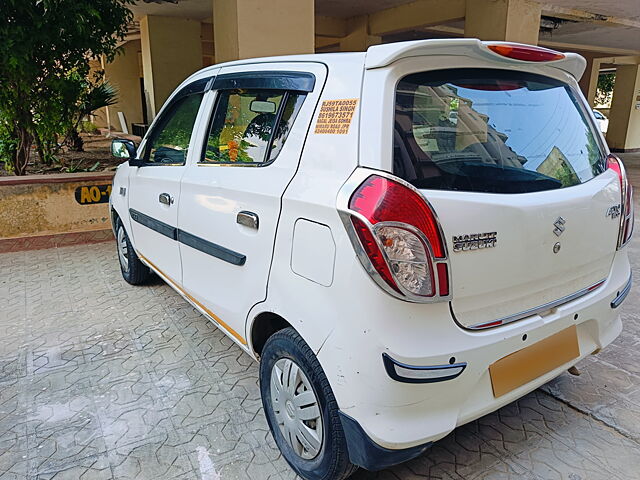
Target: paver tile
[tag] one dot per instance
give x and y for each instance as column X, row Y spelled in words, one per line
column 102, row 380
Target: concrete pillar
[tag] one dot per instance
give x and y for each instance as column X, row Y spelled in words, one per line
column 255, row 28
column 358, row 38
column 124, row 74
column 508, row 20
column 171, row 51
column 589, row 81
column 624, row 117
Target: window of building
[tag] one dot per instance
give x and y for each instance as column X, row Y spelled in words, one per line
column 250, row 126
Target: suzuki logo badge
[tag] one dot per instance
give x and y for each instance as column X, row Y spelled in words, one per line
column 559, row 224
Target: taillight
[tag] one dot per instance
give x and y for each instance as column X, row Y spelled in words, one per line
column 526, row 53
column 626, row 203
column 400, row 237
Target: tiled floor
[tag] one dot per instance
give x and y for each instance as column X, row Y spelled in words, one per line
column 101, row 380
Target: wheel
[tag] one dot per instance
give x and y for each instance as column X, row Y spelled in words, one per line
column 133, row 270
column 301, row 409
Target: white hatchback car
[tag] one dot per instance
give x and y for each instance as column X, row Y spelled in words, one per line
column 407, row 238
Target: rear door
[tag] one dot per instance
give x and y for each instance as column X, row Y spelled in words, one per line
column 515, row 169
column 154, row 189
column 231, row 194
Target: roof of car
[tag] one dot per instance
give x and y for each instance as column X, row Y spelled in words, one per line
column 327, row 58
column 383, row 55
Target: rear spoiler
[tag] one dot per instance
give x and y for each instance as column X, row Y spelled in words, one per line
column 380, row 56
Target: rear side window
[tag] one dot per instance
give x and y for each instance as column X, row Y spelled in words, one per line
column 250, row 126
column 493, row 131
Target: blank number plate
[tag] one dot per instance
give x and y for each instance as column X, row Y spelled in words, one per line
column 525, row 365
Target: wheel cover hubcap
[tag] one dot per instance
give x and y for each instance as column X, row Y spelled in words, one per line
column 296, row 408
column 123, row 251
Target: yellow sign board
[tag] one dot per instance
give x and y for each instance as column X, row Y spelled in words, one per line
column 90, row 194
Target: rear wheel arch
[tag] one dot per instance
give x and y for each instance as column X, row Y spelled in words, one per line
column 264, row 325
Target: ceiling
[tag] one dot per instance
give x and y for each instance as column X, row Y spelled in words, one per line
column 349, row 8
column 590, row 35
column 195, row 9
column 597, row 36
column 617, row 8
column 201, row 9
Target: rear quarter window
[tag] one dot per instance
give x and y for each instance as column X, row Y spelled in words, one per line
column 495, row 131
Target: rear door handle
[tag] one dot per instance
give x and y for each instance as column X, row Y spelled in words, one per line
column 248, row 219
column 165, row 199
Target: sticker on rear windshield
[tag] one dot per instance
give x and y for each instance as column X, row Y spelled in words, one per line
column 335, row 116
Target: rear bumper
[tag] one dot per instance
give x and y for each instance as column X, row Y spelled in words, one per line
column 400, row 415
column 367, row 454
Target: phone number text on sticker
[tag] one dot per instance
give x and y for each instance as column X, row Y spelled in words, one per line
column 335, row 116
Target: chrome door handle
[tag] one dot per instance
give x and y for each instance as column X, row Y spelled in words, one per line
column 248, row 219
column 165, row 198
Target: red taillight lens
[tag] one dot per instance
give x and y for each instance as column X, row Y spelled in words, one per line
column 401, row 238
column 443, row 279
column 626, row 200
column 615, row 164
column 525, row 52
column 382, row 200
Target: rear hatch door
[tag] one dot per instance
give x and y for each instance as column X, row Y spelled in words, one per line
column 516, row 171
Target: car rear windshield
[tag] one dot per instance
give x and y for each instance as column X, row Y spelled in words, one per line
column 494, row 131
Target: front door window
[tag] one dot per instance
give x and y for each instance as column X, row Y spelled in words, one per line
column 169, row 142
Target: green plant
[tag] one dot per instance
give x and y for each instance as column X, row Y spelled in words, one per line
column 91, row 98
column 98, row 96
column 74, row 167
column 45, row 46
column 7, row 151
column 604, row 89
column 51, row 114
column 87, row 126
column 7, row 145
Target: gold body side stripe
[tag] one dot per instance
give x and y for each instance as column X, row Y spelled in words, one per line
column 175, row 285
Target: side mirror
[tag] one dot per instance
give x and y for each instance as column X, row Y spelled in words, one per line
column 123, row 148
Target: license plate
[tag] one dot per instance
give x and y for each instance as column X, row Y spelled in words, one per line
column 525, row 365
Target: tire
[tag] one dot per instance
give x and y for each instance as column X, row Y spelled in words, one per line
column 133, row 270
column 289, row 407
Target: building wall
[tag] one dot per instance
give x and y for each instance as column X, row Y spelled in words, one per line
column 124, row 73
column 624, row 117
column 171, row 51
column 208, row 55
column 99, row 117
